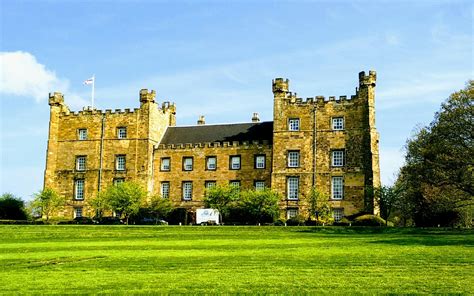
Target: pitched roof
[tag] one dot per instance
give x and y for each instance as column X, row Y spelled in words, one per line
column 260, row 131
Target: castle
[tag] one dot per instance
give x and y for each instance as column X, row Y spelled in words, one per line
column 328, row 144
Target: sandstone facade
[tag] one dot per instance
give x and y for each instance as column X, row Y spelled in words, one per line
column 330, row 144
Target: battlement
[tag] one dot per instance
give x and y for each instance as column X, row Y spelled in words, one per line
column 56, row 99
column 367, row 80
column 146, row 96
column 280, row 85
column 233, row 144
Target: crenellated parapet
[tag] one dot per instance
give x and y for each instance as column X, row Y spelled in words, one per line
column 225, row 144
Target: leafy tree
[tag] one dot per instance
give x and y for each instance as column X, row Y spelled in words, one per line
column 319, row 206
column 12, row 207
column 159, row 207
column 221, row 198
column 47, row 201
column 386, row 198
column 99, row 203
column 260, row 206
column 438, row 173
column 125, row 198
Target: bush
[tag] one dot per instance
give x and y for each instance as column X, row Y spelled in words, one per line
column 279, row 222
column 20, row 222
column 368, row 220
column 296, row 221
column 343, row 222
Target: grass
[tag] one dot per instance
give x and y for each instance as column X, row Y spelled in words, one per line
column 283, row 260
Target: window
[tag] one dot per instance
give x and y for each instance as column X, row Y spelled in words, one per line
column 291, row 213
column 187, row 190
column 337, row 214
column 165, row 164
column 294, row 124
column 120, row 162
column 259, row 185
column 187, row 163
column 337, row 158
column 82, row 134
column 211, row 163
column 337, row 187
column 80, row 163
column 79, row 189
column 122, row 132
column 165, row 189
column 235, row 184
column 259, row 161
column 292, row 187
column 338, row 123
column 77, row 212
column 210, row 184
column 235, row 162
column 118, row 181
column 293, row 159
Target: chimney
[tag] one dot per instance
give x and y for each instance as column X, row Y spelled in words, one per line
column 201, row 120
column 255, row 117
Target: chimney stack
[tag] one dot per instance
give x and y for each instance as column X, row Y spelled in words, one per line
column 255, row 117
column 201, row 120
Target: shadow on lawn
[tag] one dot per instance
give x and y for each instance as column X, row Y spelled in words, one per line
column 428, row 241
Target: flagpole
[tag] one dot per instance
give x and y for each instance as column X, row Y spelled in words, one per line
column 93, row 86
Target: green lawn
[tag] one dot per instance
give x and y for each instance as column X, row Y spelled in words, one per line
column 213, row 259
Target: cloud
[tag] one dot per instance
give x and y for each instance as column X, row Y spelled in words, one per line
column 22, row 75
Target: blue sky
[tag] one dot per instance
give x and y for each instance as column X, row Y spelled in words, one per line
column 218, row 58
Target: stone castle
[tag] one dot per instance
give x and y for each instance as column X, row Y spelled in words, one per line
column 328, row 144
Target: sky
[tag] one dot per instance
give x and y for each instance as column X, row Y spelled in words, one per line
column 218, row 59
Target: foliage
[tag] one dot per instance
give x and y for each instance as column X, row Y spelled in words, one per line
column 159, row 207
column 319, row 206
column 99, row 204
column 369, row 220
column 387, row 197
column 260, row 206
column 125, row 198
column 221, row 198
column 298, row 220
column 343, row 222
column 437, row 178
column 12, row 207
column 46, row 202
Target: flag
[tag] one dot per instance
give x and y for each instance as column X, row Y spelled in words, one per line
column 89, row 81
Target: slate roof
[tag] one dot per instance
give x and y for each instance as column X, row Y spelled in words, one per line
column 258, row 131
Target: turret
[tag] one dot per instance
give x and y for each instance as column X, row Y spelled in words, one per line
column 280, row 85
column 146, row 96
column 56, row 99
column 367, row 80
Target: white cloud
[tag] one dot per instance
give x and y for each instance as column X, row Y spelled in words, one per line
column 22, row 75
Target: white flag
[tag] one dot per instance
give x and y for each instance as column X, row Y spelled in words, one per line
column 89, row 81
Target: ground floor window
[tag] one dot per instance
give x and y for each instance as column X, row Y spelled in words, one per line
column 291, row 213
column 77, row 212
column 337, row 185
column 338, row 214
column 259, row 185
column 210, row 184
column 292, row 187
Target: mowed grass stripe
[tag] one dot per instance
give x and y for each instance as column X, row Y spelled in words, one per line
column 287, row 260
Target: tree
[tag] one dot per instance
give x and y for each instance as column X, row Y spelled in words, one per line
column 438, row 173
column 12, row 207
column 386, row 197
column 319, row 206
column 125, row 198
column 221, row 198
column 260, row 206
column 47, row 201
column 100, row 204
column 159, row 207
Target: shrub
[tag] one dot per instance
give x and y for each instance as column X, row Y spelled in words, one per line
column 296, row 221
column 279, row 222
column 343, row 222
column 368, row 220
